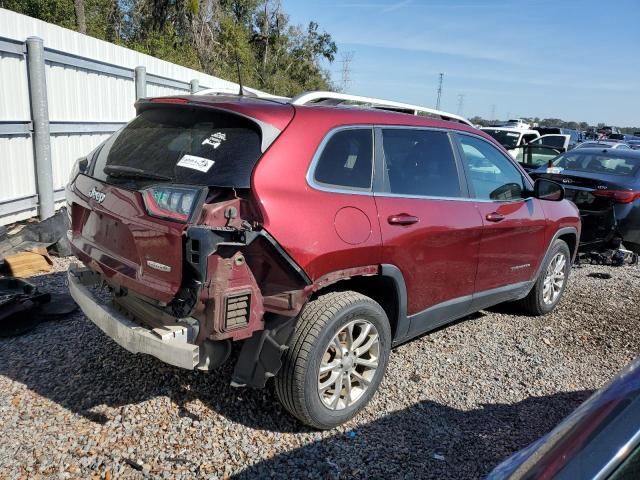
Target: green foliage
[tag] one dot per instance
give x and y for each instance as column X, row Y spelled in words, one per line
column 208, row 35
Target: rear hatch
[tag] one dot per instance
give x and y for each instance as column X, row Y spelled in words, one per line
column 147, row 183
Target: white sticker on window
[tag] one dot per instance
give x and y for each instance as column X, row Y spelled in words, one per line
column 351, row 161
column 195, row 163
column 215, row 139
column 554, row 169
column 511, row 134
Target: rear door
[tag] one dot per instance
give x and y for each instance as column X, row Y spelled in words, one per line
column 430, row 228
column 513, row 235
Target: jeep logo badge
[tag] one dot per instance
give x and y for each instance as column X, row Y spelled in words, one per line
column 96, row 195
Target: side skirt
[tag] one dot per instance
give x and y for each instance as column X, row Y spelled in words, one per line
column 457, row 308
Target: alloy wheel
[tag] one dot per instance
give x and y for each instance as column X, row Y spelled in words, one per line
column 348, row 364
column 554, row 279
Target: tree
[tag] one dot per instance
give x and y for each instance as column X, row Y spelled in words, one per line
column 80, row 18
column 208, row 35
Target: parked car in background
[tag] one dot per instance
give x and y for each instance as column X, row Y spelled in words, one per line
column 575, row 137
column 511, row 137
column 605, row 186
column 600, row 440
column 541, row 150
column 604, row 144
column 315, row 237
column 634, row 144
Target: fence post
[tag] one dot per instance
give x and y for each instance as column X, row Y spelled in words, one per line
column 195, row 86
column 40, row 119
column 141, row 82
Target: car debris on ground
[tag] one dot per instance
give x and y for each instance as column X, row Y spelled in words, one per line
column 23, row 253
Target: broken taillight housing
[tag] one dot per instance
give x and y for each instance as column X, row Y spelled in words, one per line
column 172, row 203
column 617, row 196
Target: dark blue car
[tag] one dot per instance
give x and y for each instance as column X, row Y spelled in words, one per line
column 599, row 440
column 605, row 186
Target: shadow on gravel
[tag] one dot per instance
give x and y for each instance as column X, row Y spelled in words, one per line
column 71, row 362
column 427, row 440
column 74, row 364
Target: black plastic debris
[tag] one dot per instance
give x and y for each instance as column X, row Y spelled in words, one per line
column 23, row 306
column 36, row 235
column 600, row 275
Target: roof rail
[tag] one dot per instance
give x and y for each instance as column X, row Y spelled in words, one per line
column 335, row 99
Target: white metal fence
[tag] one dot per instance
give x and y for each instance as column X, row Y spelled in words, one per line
column 90, row 92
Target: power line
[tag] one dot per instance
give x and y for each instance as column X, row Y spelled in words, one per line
column 439, row 92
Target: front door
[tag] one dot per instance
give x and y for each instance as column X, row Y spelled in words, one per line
column 430, row 228
column 513, row 238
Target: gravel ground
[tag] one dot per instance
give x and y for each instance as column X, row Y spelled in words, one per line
column 453, row 404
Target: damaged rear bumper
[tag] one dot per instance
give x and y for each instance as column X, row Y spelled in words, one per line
column 167, row 343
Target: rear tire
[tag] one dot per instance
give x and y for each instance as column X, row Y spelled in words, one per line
column 550, row 284
column 347, row 335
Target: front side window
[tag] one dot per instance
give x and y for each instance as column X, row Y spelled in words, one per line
column 419, row 162
column 347, row 159
column 491, row 175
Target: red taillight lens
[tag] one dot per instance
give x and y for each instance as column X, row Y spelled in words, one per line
column 618, row 196
column 172, row 203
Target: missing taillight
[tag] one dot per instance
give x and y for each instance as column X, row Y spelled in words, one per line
column 172, row 203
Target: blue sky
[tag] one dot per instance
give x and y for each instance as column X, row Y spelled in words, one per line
column 575, row 60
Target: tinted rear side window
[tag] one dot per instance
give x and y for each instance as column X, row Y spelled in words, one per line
column 347, row 159
column 419, row 162
column 191, row 146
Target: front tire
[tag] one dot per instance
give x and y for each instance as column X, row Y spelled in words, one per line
column 336, row 359
column 550, row 284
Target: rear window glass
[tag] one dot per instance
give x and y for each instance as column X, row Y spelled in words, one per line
column 598, row 163
column 347, row 159
column 182, row 145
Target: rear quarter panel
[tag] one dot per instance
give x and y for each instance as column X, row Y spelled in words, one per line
column 305, row 221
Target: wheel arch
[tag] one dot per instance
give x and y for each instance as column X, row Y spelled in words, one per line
column 386, row 286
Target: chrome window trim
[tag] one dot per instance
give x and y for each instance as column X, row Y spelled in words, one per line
column 327, row 187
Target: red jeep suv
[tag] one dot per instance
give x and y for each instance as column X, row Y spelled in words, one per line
column 316, row 237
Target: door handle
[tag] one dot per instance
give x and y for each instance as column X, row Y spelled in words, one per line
column 402, row 219
column 495, row 217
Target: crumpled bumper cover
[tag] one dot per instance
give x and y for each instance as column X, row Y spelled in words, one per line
column 168, row 344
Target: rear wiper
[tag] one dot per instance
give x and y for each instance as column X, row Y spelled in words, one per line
column 132, row 172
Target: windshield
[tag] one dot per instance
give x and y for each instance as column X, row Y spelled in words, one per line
column 506, row 139
column 598, row 163
column 182, row 145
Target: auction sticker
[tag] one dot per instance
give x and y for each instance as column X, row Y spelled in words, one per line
column 195, row 163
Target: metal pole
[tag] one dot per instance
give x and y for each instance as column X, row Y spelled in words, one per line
column 195, row 86
column 141, row 82
column 40, row 119
column 439, row 92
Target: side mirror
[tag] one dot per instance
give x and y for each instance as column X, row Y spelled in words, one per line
column 83, row 163
column 548, row 190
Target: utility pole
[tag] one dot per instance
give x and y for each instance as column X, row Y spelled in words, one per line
column 460, row 103
column 493, row 112
column 345, row 80
column 439, row 92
